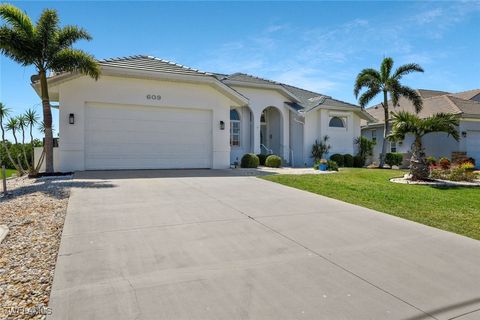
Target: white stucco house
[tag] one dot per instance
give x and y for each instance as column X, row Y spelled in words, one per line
column 465, row 104
column 148, row 113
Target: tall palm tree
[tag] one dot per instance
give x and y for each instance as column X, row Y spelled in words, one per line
column 48, row 47
column 404, row 122
column 4, row 112
column 384, row 82
column 32, row 119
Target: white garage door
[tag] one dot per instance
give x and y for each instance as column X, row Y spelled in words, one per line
column 142, row 137
column 473, row 146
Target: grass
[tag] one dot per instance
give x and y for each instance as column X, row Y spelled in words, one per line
column 8, row 172
column 452, row 209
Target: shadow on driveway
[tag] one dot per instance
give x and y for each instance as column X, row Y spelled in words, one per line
column 180, row 173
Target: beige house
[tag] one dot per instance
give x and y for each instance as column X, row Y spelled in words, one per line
column 464, row 104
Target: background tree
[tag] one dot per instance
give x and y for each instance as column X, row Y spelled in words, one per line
column 384, row 82
column 22, row 125
column 404, row 122
column 4, row 112
column 32, row 120
column 46, row 46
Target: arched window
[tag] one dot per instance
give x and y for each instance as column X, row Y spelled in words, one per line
column 336, row 122
column 234, row 128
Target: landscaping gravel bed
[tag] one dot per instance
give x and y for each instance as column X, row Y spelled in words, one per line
column 34, row 212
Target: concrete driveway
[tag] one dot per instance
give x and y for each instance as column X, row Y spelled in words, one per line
column 212, row 245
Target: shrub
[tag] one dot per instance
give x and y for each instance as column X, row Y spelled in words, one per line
column 394, row 159
column 332, row 165
column 444, row 163
column 455, row 173
column 365, row 147
column 358, row 161
column 320, row 148
column 431, row 161
column 348, row 160
column 250, row 160
column 273, row 161
column 262, row 158
column 338, row 158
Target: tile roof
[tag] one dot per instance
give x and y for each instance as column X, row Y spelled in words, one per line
column 435, row 103
column 308, row 99
column 467, row 95
column 149, row 63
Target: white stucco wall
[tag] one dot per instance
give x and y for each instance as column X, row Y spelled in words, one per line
column 37, row 152
column 340, row 139
column 76, row 93
column 259, row 99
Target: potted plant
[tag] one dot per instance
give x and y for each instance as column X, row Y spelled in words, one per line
column 323, row 165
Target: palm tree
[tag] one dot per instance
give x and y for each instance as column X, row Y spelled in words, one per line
column 13, row 125
column 22, row 125
column 48, row 47
column 32, row 120
column 4, row 111
column 383, row 81
column 405, row 122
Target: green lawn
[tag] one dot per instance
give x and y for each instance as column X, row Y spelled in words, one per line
column 452, row 209
column 9, row 172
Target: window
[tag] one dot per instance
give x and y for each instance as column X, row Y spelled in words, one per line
column 234, row 128
column 393, row 147
column 374, row 135
column 336, row 122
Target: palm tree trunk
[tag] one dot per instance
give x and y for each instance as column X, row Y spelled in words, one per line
column 418, row 164
column 385, row 130
column 4, row 143
column 33, row 149
column 23, row 149
column 47, row 119
column 19, row 161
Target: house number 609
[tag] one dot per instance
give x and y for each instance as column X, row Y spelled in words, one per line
column 154, row 97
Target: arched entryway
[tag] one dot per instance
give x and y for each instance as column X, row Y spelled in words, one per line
column 271, row 131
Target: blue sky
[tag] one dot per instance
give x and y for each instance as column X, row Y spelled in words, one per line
column 319, row 46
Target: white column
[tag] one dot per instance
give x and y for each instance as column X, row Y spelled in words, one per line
column 256, row 132
column 286, row 133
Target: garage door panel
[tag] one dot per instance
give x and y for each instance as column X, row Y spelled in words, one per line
column 142, row 137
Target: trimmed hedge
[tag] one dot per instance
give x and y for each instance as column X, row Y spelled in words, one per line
column 358, row 161
column 262, row 158
column 338, row 158
column 394, row 159
column 249, row 160
column 273, row 161
column 348, row 160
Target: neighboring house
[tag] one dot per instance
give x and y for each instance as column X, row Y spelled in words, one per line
column 148, row 113
column 464, row 104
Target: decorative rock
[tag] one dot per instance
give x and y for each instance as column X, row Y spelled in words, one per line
column 34, row 211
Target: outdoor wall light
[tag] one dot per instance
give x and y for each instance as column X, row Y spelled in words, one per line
column 464, row 134
column 71, row 118
column 222, row 125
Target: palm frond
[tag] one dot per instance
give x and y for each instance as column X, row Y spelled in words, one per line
column 442, row 122
column 22, row 121
column 4, row 111
column 12, row 124
column 47, row 27
column 17, row 18
column 68, row 35
column 403, row 123
column 386, row 68
column 75, row 60
column 31, row 116
column 16, row 46
column 365, row 79
column 367, row 96
column 406, row 69
column 411, row 95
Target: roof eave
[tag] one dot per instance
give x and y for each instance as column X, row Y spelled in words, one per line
column 272, row 86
